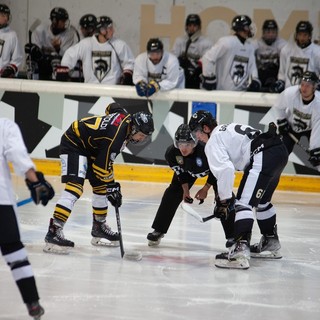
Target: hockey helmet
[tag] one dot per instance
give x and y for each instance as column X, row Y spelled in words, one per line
column 184, row 136
column 240, row 23
column 88, row 21
column 4, row 9
column 193, row 19
column 270, row 24
column 104, row 22
column 154, row 45
column 304, row 26
column 58, row 13
column 115, row 107
column 142, row 122
column 310, row 76
column 201, row 118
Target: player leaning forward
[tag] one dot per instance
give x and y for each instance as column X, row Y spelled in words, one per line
column 262, row 157
column 87, row 151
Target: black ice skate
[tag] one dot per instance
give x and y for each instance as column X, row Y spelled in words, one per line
column 100, row 230
column 237, row 257
column 154, row 238
column 35, row 310
column 268, row 247
column 55, row 240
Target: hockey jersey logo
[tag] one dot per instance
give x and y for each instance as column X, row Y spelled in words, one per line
column 101, row 63
column 297, row 67
column 239, row 69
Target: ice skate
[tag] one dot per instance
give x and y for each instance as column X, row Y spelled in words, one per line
column 237, row 257
column 35, row 310
column 102, row 232
column 154, row 238
column 268, row 247
column 55, row 240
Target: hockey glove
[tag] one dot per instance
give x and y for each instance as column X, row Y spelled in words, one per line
column 34, row 51
column 9, row 71
column 62, row 73
column 283, row 126
column 222, row 209
column 126, row 78
column 254, row 86
column 153, row 87
column 114, row 194
column 41, row 191
column 315, row 157
column 277, row 87
column 209, row 83
column 141, row 88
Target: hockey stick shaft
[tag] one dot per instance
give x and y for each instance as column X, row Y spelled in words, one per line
column 296, row 140
column 188, row 209
column 119, row 231
column 23, row 202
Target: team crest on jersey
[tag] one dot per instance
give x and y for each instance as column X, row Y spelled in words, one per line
column 101, row 64
column 117, row 120
column 239, row 69
column 296, row 68
column 179, row 160
column 199, row 162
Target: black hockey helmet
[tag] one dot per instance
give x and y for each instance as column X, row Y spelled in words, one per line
column 270, row 25
column 154, row 45
column 239, row 23
column 193, row 19
column 104, row 22
column 59, row 13
column 114, row 107
column 88, row 21
column 184, row 135
column 4, row 9
column 304, row 26
column 201, row 118
column 310, row 76
column 142, row 122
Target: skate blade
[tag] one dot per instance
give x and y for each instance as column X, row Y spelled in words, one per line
column 99, row 242
column 232, row 264
column 266, row 255
column 55, row 249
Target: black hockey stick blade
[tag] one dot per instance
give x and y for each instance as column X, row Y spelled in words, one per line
column 296, row 140
column 33, row 27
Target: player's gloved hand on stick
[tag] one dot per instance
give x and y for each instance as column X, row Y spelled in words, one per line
column 254, row 86
column 41, row 191
column 153, row 87
column 114, row 194
column 315, row 157
column 62, row 73
column 141, row 88
column 33, row 50
column 209, row 83
column 222, row 208
column 283, row 126
column 277, row 87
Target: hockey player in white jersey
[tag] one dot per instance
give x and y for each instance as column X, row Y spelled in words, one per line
column 190, row 48
column 230, row 64
column 13, row 150
column 296, row 57
column 11, row 52
column 267, row 51
column 298, row 113
column 105, row 58
column 262, row 156
column 156, row 69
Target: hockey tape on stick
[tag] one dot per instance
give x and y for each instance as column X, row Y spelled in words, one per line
column 23, row 202
column 188, row 209
column 296, row 140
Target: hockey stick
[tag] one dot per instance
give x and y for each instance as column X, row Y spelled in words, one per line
column 23, row 202
column 133, row 255
column 296, row 140
column 188, row 209
column 29, row 60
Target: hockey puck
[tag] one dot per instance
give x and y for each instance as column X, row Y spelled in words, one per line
column 133, row 255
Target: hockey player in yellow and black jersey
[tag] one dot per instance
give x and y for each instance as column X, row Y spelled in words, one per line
column 87, row 151
column 188, row 161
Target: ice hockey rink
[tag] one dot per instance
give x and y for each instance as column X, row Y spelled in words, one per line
column 178, row 279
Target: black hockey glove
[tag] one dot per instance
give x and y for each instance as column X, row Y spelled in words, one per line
column 126, row 78
column 209, row 83
column 9, row 71
column 34, row 51
column 277, row 87
column 141, row 88
column 62, row 73
column 254, row 86
column 114, row 194
column 221, row 210
column 41, row 191
column 153, row 87
column 315, row 157
column 283, row 126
